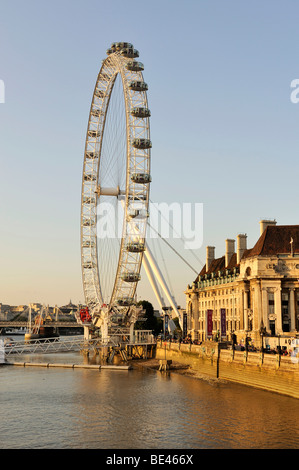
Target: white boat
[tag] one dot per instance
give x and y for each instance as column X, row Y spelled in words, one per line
column 15, row 331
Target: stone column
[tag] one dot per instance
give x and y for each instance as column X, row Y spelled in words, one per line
column 257, row 314
column 292, row 309
column 277, row 304
column 245, row 310
column 195, row 310
column 265, row 316
column 241, row 312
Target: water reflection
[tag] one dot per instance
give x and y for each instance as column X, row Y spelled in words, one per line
column 81, row 408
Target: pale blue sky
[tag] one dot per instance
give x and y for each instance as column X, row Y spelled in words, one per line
column 224, row 130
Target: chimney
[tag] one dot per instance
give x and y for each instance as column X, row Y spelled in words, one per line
column 264, row 224
column 230, row 249
column 210, row 256
column 241, row 246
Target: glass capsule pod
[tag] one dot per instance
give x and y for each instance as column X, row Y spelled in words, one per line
column 135, row 66
column 94, row 133
column 135, row 247
column 137, row 213
column 141, row 143
column 88, row 200
column 88, row 222
column 95, row 112
column 141, row 178
column 130, row 53
column 88, row 244
column 88, row 265
column 130, row 277
column 141, row 112
column 124, row 301
column 136, row 85
column 90, row 177
column 132, row 213
column 117, row 46
column 105, row 77
column 137, row 197
column 91, row 155
column 99, row 93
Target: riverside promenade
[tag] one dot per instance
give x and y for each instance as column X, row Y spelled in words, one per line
column 272, row 372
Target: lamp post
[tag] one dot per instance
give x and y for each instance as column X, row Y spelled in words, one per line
column 278, row 349
column 246, row 344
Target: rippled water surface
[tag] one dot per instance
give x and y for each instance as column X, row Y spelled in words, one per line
column 81, row 408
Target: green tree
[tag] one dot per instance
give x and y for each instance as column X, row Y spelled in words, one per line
column 151, row 322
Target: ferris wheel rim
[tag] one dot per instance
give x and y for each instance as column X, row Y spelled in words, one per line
column 137, row 182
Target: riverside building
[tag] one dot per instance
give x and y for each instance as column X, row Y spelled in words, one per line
column 255, row 290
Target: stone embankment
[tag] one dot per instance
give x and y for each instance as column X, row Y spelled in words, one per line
column 272, row 372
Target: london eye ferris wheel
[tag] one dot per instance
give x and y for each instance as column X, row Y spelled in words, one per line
column 115, row 186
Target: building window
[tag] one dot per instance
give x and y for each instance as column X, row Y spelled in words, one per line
column 271, row 302
column 272, row 327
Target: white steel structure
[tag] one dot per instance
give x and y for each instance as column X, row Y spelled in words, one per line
column 115, row 189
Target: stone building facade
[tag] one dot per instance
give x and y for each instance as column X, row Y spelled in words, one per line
column 258, row 287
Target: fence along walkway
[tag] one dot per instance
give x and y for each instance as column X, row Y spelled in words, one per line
column 50, row 345
column 45, row 346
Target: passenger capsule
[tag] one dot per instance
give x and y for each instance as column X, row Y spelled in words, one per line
column 90, row 177
column 109, row 51
column 94, row 133
column 134, row 66
column 137, row 197
column 95, row 112
column 118, row 46
column 105, row 77
column 88, row 244
column 132, row 213
column 136, row 85
column 88, row 265
column 88, row 200
column 130, row 53
column 141, row 112
column 125, row 301
column 135, row 247
column 91, row 155
column 141, row 178
column 88, row 222
column 130, row 277
column 141, row 143
column 99, row 93
column 137, row 213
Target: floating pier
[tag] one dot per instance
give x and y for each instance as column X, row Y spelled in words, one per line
column 71, row 366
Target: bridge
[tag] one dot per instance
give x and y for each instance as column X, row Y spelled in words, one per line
column 136, row 346
column 54, row 323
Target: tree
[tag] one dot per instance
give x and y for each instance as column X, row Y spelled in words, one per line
column 151, row 322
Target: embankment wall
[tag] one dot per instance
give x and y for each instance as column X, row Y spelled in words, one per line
column 274, row 373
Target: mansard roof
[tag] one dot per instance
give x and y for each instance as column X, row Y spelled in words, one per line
column 274, row 240
column 218, row 264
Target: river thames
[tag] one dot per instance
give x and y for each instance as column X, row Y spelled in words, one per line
column 55, row 408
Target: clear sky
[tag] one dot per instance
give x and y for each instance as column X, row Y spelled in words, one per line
column 223, row 127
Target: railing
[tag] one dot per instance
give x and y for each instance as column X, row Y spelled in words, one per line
column 44, row 346
column 50, row 345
